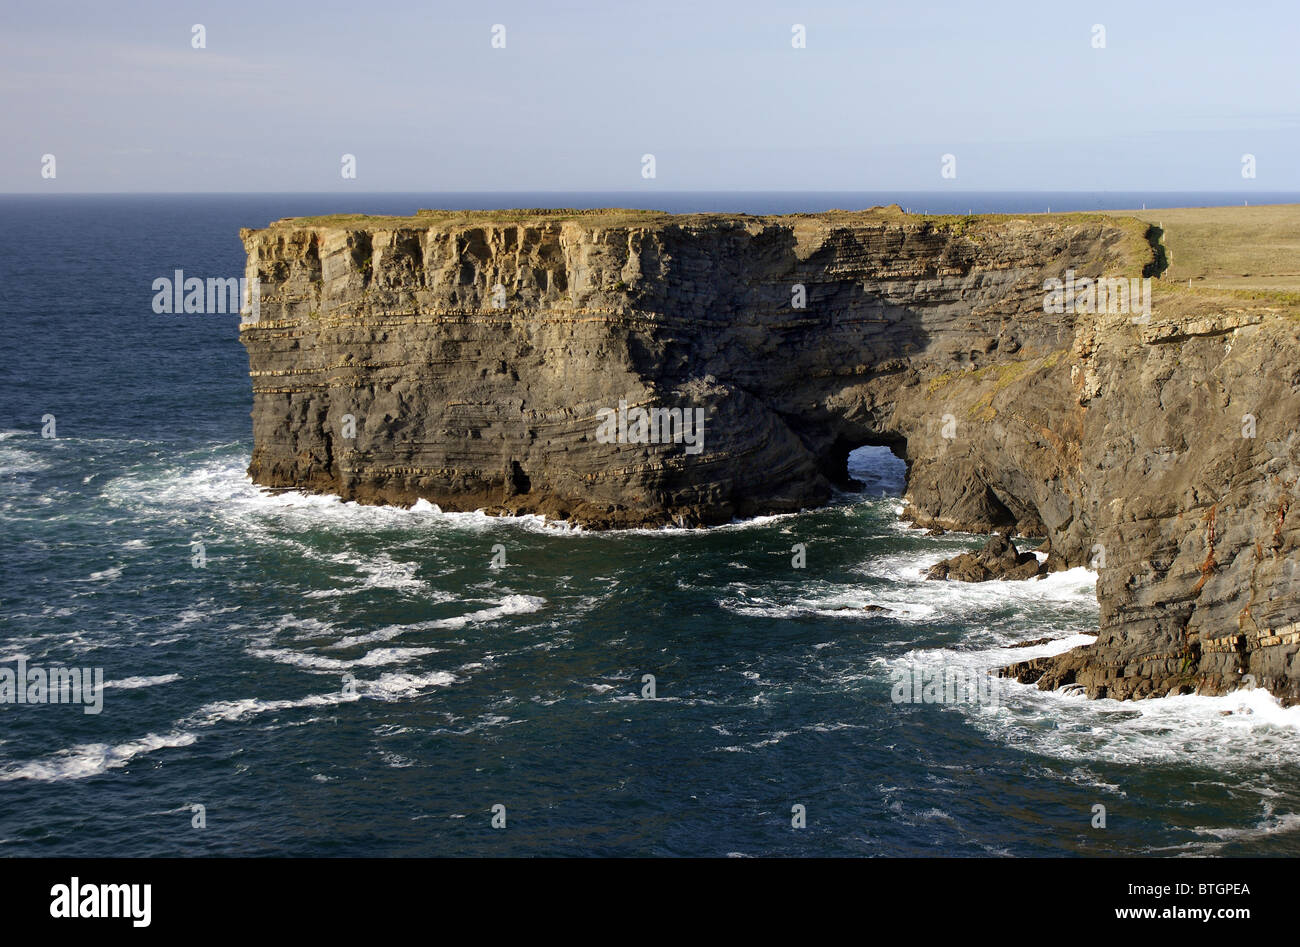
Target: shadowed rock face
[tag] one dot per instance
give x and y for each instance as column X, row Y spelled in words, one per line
column 479, row 355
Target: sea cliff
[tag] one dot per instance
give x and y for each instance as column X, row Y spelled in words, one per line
column 502, row 361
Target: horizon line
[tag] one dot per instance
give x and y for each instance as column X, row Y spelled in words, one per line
column 644, row 191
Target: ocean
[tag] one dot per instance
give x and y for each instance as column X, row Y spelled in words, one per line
column 293, row 675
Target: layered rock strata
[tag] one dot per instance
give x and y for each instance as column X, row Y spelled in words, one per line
column 502, row 361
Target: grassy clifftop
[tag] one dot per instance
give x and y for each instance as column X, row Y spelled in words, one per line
column 1232, row 248
column 1229, row 254
column 622, row 217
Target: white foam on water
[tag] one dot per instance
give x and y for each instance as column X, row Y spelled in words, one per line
column 316, row 662
column 1064, row 601
column 509, row 605
column 135, row 683
column 927, row 814
column 900, row 525
column 754, row 522
column 1241, row 730
column 304, row 627
column 1077, row 584
column 382, row 571
column 1270, row 823
column 685, row 701
column 485, row 721
column 395, row 685
column 37, row 647
column 233, row 711
column 91, row 759
column 777, row 736
column 107, row 575
column 1069, row 594
column 848, row 605
column 222, row 485
column 1214, row 840
column 16, row 459
column 1237, row 732
column 206, row 611
column 313, row 629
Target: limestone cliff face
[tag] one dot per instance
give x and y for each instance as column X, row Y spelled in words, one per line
column 472, row 359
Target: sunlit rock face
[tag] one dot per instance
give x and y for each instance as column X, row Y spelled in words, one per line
column 627, row 368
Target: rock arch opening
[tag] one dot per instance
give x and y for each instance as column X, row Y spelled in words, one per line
column 877, row 469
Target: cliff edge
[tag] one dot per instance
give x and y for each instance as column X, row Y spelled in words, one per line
column 625, row 368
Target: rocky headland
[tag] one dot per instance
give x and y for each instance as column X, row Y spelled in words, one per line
column 510, row 361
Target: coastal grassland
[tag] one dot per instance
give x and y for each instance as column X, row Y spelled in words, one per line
column 596, row 217
column 606, row 217
column 1243, row 256
column 1242, row 249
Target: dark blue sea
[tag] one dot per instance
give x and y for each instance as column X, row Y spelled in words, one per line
column 344, row 680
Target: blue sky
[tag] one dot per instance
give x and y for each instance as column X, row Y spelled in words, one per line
column 715, row 91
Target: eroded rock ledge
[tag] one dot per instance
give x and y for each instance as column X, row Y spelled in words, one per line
column 465, row 358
